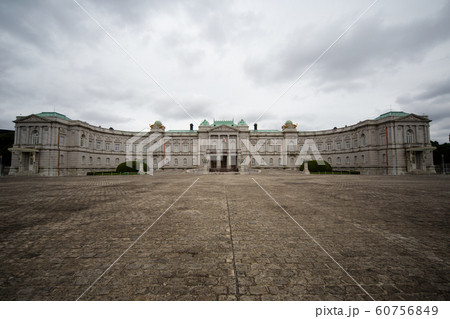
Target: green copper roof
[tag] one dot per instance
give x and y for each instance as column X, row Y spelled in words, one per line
column 382, row 116
column 228, row 123
column 205, row 122
column 158, row 123
column 242, row 122
column 288, row 122
column 53, row 114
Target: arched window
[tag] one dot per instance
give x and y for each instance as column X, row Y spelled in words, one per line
column 329, row 160
column 279, row 161
column 116, row 161
column 363, row 159
column 347, row 160
column 184, row 161
column 91, row 160
column 176, row 162
column 99, row 160
column 253, row 162
column 108, row 161
column 83, row 159
column 292, row 161
column 35, row 137
column 338, row 161
column 363, row 140
column 271, row 161
column 155, row 161
column 83, row 140
column 409, row 137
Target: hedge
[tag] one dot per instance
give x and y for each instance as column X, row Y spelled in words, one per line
column 314, row 167
column 134, row 168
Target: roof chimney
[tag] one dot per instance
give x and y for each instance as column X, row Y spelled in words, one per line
column 256, row 126
column 191, row 126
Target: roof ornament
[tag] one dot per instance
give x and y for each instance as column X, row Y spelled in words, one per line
column 289, row 125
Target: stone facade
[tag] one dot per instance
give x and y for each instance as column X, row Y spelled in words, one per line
column 51, row 144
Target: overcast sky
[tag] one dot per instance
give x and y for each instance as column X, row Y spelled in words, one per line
column 225, row 60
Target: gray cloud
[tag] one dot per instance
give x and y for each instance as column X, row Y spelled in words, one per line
column 52, row 56
column 372, row 46
column 433, row 101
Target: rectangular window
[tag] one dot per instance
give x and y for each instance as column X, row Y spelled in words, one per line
column 117, row 147
column 347, row 144
column 338, row 146
column 329, row 147
column 185, row 148
column 355, row 143
column 319, row 146
column 90, row 144
column 62, row 140
column 99, row 145
column 382, row 139
column 107, row 146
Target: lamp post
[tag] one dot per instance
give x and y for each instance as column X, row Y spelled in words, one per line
column 443, row 165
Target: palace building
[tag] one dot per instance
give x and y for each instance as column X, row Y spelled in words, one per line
column 52, row 144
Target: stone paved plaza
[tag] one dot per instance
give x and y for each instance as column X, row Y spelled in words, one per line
column 225, row 238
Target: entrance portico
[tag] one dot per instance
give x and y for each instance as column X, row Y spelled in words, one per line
column 28, row 160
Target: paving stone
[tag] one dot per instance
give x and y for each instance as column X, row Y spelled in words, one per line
column 225, row 239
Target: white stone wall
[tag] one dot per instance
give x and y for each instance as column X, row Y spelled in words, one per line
column 360, row 147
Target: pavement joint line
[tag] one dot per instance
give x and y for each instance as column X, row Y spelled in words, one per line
column 316, row 242
column 137, row 239
column 238, row 295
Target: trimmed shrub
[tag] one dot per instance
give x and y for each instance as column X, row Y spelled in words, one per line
column 314, row 167
column 102, row 173
column 134, row 168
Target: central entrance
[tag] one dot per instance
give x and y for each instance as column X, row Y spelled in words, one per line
column 223, row 163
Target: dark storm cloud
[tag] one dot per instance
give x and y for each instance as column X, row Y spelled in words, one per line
column 369, row 47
